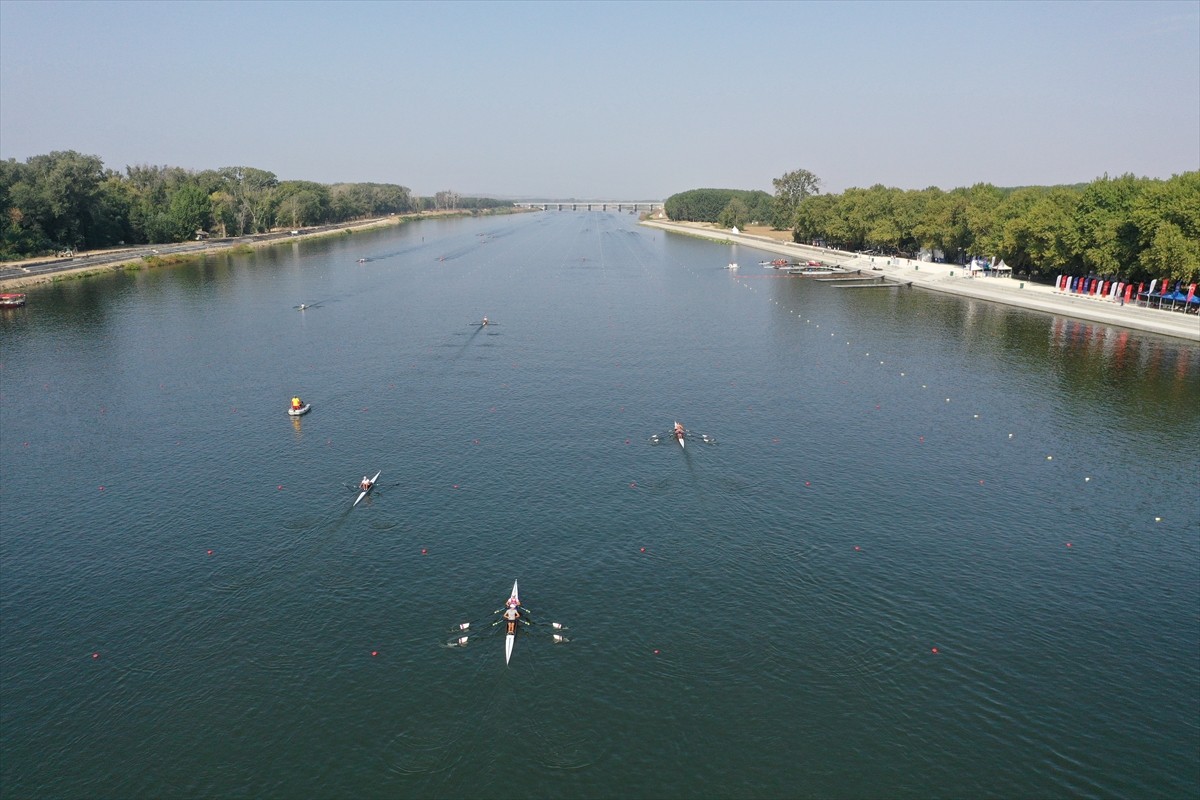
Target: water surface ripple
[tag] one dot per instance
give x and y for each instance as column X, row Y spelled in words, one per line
column 940, row 549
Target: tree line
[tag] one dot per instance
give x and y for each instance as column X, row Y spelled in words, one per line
column 1128, row 227
column 728, row 207
column 68, row 201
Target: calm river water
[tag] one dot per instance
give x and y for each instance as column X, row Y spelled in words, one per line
column 941, row 548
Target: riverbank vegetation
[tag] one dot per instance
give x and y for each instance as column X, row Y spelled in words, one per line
column 1134, row 228
column 68, row 201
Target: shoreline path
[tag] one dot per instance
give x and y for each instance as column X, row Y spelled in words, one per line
column 16, row 274
column 951, row 279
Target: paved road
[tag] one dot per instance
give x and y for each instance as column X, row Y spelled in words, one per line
column 49, row 266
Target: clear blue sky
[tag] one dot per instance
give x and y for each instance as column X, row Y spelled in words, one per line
column 618, row 100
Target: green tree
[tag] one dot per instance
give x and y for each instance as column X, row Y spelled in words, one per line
column 190, row 210
column 790, row 190
column 1106, row 238
column 1171, row 254
column 811, row 220
column 252, row 191
column 1167, row 217
column 1038, row 239
column 57, row 194
column 735, row 214
column 302, row 203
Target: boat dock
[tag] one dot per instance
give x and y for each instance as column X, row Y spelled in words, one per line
column 864, row 280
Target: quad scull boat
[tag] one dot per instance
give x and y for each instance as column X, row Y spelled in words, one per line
column 367, row 490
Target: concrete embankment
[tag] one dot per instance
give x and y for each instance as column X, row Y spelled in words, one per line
column 16, row 274
column 952, row 279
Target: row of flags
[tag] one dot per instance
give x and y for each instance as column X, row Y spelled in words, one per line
column 1121, row 291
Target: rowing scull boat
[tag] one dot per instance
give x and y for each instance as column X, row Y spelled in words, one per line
column 514, row 602
column 367, row 490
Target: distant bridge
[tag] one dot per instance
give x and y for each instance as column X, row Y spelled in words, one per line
column 593, row 205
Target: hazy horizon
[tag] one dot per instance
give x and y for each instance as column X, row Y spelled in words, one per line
column 626, row 101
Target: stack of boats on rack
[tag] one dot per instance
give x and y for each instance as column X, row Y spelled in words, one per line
column 812, row 268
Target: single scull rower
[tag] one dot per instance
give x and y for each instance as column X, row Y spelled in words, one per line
column 365, row 487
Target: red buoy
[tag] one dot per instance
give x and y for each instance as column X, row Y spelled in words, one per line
column 935, row 650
